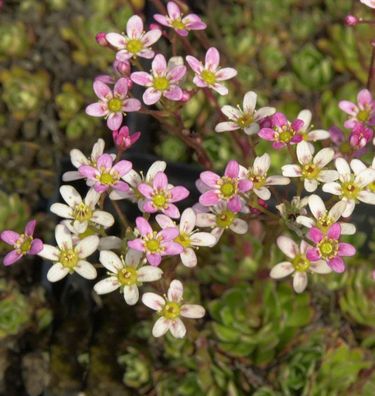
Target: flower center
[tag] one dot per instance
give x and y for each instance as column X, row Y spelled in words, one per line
column 324, row 222
column 134, row 46
column 350, row 190
column 301, row 263
column 171, row 310
column 363, row 115
column 225, row 218
column 245, row 120
column 258, row 181
column 68, row 258
column 153, row 245
column 328, row 248
column 115, row 105
column 228, row 187
column 208, row 77
column 178, row 24
column 310, row 171
column 127, row 276
column 371, row 186
column 82, row 212
column 160, row 200
column 286, row 134
column 160, row 83
column 183, row 239
column 23, row 243
column 107, row 178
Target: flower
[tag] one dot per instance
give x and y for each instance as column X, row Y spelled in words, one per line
column 324, row 218
column 125, row 274
column 312, row 168
column 69, row 257
column 220, row 219
column 175, row 20
column 257, row 174
column 22, row 243
column 210, row 75
column 161, row 196
column 351, row 188
column 282, row 132
column 163, row 80
column 362, row 112
column 246, row 119
column 299, row 264
column 329, row 248
column 78, row 158
column 112, row 104
column 188, row 237
column 307, row 134
column 170, row 309
column 104, row 176
column 291, row 210
column 81, row 213
column 369, row 3
column 122, row 138
column 155, row 244
column 226, row 188
column 360, row 136
column 134, row 179
column 136, row 42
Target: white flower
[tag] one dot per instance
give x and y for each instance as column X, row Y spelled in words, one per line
column 246, row 119
column 311, row 168
column 69, row 257
column 134, row 179
column 298, row 265
column 125, row 275
column 323, row 218
column 258, row 175
column 81, row 213
column 351, row 187
column 188, row 237
column 314, row 135
column 220, row 219
column 170, row 309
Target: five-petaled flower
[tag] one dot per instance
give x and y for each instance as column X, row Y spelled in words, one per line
column 210, row 75
column 163, row 80
column 125, row 274
column 136, row 42
column 155, row 244
column 362, row 112
column 247, row 118
column 170, row 309
column 105, row 175
column 329, row 248
column 226, row 188
column 298, row 265
column 112, row 104
column 22, row 244
column 181, row 24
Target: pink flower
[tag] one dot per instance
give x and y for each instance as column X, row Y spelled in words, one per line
column 282, row 132
column 112, row 104
column 104, row 175
column 160, row 196
column 329, row 248
column 162, row 82
column 226, row 188
column 122, row 138
column 210, row 75
column 363, row 112
column 175, row 20
column 360, row 136
column 155, row 244
column 22, row 243
column 136, row 42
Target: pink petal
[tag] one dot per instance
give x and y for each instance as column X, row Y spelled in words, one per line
column 160, row 181
column 36, row 246
column 313, row 254
column 315, row 234
column 121, row 88
column 148, row 39
column 121, row 186
column 297, row 125
column 279, row 119
column 232, row 169
column 179, row 193
column 169, row 233
column 267, row 134
column 104, row 161
column 97, row 109
column 209, row 178
column 143, row 226
column 173, row 93
column 176, row 73
column 159, row 65
column 212, row 59
column 9, row 237
column 226, row 73
column 364, row 98
column 114, row 121
column 146, row 190
column 122, row 167
column 173, row 10
column 149, row 207
column 30, row 227
column 161, row 19
column 172, row 249
column 153, row 259
column 141, row 78
column 102, row 91
column 348, row 107
column 100, row 188
column 134, row 27
column 151, row 96
column 334, row 231
column 11, row 257
column 337, row 264
column 209, row 198
column 116, row 40
column 234, row 204
column 137, row 244
column 130, row 105
column 88, row 171
column 220, row 89
column 346, row 249
column 194, row 63
column 245, row 185
column 172, row 211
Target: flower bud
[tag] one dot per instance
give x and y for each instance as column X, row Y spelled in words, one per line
column 101, row 39
column 351, row 20
column 122, row 67
column 122, row 138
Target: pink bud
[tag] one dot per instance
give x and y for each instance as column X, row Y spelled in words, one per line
column 155, row 26
column 121, row 67
column 185, row 96
column 101, row 39
column 351, row 20
column 122, row 138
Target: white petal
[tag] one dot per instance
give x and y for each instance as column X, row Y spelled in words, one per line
column 164, row 221
column 337, row 210
column 107, row 285
column 116, row 195
column 62, row 210
column 87, row 246
column 175, row 291
column 202, row 239
column 287, row 246
column 320, row 267
column 342, row 167
column 109, row 242
column 332, row 188
column 263, row 193
column 277, row 181
column 133, row 257
column 249, row 102
column 157, row 166
column 367, row 197
column 347, row 229
column 327, row 176
column 310, row 185
column 350, row 205
column 305, row 116
column 304, row 153
column 78, row 158
column 291, row 170
column 161, row 326
column 226, row 126
column 188, row 219
column 63, row 237
column 358, row 166
column 103, row 218
column 189, row 258
column 131, row 294
column 365, row 178
column 206, row 220
column 323, row 157
column 239, row 226
column 153, row 301
column 231, row 112
column 317, row 206
column 299, row 281
column 85, row 269
column 148, row 273
column 110, row 261
column 79, row 227
column 252, row 129
column 281, row 270
column 132, row 178
column 318, row 134
column 70, row 195
column 72, row 176
column 264, row 112
column 305, row 221
column 192, row 311
column 49, row 252
column 262, row 164
column 57, row 272
column 92, row 198
column 177, row 329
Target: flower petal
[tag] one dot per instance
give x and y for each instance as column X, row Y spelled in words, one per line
column 57, row 272
column 177, row 329
column 281, row 270
column 287, row 246
column 175, row 291
column 131, row 294
column 148, row 273
column 153, row 301
column 110, row 261
column 85, row 269
column 193, row 311
column 9, row 237
column 161, row 326
column 299, row 281
column 107, row 285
